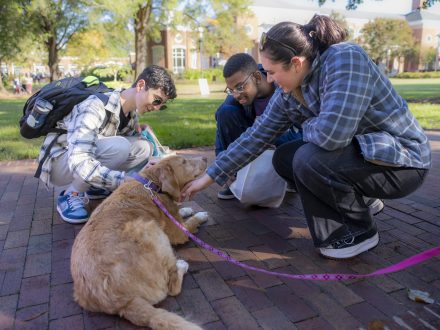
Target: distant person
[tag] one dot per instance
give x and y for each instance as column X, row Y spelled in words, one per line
column 17, row 85
column 359, row 137
column 93, row 158
column 249, row 93
column 28, row 82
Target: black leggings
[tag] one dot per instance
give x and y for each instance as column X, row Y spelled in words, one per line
column 332, row 185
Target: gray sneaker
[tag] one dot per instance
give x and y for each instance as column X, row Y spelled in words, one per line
column 225, row 193
column 375, row 205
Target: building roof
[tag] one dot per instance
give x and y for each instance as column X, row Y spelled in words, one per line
column 313, row 7
column 422, row 15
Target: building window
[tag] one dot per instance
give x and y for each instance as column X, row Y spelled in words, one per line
column 178, row 60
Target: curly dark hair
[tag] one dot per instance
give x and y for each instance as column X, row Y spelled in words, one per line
column 157, row 77
column 239, row 62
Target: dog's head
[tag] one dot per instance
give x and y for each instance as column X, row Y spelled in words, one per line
column 174, row 172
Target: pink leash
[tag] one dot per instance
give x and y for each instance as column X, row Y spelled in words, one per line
column 418, row 258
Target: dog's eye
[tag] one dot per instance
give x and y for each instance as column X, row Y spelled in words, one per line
column 184, row 161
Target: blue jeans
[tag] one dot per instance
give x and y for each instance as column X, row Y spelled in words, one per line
column 232, row 122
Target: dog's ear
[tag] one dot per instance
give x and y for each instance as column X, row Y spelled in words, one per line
column 169, row 182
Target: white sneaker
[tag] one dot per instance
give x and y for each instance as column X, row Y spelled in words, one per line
column 349, row 248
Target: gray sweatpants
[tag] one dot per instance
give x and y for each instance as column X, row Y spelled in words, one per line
column 128, row 153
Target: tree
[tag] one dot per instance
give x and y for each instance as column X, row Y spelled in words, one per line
column 429, row 3
column 219, row 20
column 147, row 18
column 10, row 38
column 340, row 19
column 427, row 57
column 221, row 23
column 144, row 17
column 351, row 4
column 387, row 38
column 54, row 23
column 88, row 46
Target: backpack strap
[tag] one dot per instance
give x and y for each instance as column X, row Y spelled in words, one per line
column 60, row 131
column 46, row 154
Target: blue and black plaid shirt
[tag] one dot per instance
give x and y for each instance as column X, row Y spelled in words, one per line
column 347, row 97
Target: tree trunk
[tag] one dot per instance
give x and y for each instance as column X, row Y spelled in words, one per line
column 2, row 87
column 141, row 22
column 53, row 60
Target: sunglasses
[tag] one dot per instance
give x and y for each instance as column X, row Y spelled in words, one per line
column 265, row 38
column 240, row 88
column 158, row 101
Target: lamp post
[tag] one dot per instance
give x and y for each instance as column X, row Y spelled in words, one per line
column 200, row 30
column 203, row 83
column 437, row 53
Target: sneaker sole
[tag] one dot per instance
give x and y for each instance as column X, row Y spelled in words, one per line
column 72, row 221
column 225, row 197
column 350, row 252
column 94, row 197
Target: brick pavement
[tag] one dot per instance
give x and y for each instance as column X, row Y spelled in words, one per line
column 36, row 286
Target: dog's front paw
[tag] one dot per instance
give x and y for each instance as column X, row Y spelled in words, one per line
column 185, row 212
column 182, row 264
column 201, row 216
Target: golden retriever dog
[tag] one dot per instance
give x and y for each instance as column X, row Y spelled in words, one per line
column 122, row 260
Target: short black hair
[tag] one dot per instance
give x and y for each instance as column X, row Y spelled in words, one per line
column 239, row 62
column 157, row 77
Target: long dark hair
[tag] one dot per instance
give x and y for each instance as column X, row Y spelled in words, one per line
column 301, row 40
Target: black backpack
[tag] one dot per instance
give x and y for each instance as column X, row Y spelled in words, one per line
column 52, row 103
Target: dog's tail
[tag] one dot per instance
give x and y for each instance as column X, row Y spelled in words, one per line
column 140, row 312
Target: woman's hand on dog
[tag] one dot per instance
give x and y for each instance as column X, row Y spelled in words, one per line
column 152, row 162
column 195, row 186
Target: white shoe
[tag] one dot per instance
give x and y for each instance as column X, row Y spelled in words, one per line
column 345, row 249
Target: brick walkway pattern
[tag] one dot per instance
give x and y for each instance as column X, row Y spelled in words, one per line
column 36, row 286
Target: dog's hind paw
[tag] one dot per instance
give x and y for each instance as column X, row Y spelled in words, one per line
column 182, row 264
column 185, row 212
column 201, row 216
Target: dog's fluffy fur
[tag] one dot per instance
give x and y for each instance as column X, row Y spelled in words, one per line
column 122, row 260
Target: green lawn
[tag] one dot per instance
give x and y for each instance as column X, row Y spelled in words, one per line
column 189, row 120
column 185, row 123
column 417, row 88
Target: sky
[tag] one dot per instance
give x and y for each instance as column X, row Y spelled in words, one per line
column 395, row 6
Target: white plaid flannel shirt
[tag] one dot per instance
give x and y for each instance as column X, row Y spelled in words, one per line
column 84, row 124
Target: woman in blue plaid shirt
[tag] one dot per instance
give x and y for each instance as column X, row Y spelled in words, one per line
column 359, row 138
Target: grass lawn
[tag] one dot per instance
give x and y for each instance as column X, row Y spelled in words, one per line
column 417, row 88
column 189, row 120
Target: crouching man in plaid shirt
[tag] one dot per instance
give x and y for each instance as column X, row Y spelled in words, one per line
column 102, row 143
